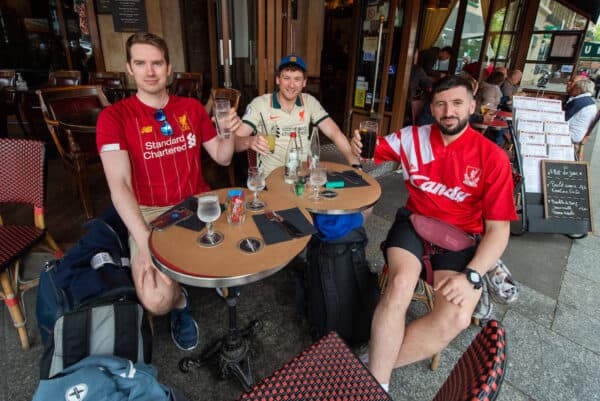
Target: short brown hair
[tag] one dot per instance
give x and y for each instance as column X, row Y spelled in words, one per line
column 146, row 38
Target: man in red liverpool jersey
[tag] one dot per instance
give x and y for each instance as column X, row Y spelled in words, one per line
column 456, row 175
column 150, row 150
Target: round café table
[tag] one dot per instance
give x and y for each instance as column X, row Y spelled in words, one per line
column 348, row 200
column 176, row 252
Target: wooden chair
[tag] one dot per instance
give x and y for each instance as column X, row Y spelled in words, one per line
column 76, row 143
column 579, row 147
column 22, row 180
column 480, row 371
column 114, row 84
column 187, row 84
column 64, row 78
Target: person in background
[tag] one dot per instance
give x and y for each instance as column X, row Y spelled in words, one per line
column 420, row 82
column 443, row 59
column 580, row 108
column 510, row 86
column 285, row 111
column 150, row 150
column 456, row 175
column 502, row 70
column 597, row 83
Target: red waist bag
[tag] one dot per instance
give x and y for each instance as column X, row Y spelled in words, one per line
column 441, row 234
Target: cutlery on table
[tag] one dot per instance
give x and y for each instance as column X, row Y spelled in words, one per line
column 292, row 230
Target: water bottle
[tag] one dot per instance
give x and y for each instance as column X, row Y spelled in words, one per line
column 292, row 160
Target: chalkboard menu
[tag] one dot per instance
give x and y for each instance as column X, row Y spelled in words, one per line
column 567, row 191
column 129, row 15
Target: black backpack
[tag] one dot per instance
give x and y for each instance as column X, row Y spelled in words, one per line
column 87, row 304
column 341, row 291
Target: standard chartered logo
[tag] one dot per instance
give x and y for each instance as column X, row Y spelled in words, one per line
column 171, row 146
column 191, row 140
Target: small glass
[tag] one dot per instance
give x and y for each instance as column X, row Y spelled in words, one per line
column 368, row 138
column 208, row 212
column 318, row 177
column 256, row 183
column 222, row 107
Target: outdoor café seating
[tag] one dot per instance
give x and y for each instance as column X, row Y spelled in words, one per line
column 114, row 84
column 70, row 114
column 64, row 78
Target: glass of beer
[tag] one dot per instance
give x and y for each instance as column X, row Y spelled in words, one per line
column 368, row 137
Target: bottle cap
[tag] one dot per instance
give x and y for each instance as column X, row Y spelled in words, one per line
column 293, row 135
column 234, row 192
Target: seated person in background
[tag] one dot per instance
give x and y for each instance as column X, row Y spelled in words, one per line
column 285, row 111
column 150, row 150
column 420, row 82
column 580, row 108
column 510, row 87
column 502, row 70
column 443, row 59
column 456, row 175
column 489, row 92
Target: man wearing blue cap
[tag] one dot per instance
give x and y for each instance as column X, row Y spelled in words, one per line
column 285, row 111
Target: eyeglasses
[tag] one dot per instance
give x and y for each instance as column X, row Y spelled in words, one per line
column 165, row 127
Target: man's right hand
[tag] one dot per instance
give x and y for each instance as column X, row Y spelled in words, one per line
column 259, row 144
column 356, row 144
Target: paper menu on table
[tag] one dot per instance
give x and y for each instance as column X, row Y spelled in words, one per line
column 532, row 137
column 532, row 173
column 534, row 149
column 561, row 152
column 530, row 125
column 556, row 127
column 558, row 139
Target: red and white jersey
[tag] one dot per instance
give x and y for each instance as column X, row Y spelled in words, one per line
column 463, row 184
column 164, row 169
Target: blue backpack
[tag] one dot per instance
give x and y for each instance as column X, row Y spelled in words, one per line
column 86, row 302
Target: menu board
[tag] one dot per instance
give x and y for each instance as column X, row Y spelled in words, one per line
column 129, row 15
column 103, row 7
column 566, row 191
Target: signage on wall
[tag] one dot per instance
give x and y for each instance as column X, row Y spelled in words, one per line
column 103, row 7
column 129, row 15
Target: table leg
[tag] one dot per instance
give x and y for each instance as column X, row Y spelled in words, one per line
column 231, row 353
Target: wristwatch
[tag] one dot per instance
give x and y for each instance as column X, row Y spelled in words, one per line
column 474, row 277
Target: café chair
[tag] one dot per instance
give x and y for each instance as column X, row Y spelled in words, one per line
column 114, row 84
column 22, row 180
column 64, row 78
column 327, row 370
column 480, row 371
column 77, row 144
column 187, row 84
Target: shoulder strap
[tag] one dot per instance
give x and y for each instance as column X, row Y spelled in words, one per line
column 126, row 331
column 76, row 336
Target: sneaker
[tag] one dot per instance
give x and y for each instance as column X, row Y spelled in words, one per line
column 484, row 310
column 184, row 329
column 502, row 288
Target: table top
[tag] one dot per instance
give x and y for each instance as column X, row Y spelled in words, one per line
column 348, row 200
column 176, row 252
column 496, row 123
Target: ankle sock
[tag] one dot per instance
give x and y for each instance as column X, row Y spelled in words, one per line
column 386, row 387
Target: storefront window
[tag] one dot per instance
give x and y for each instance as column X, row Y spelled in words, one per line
column 589, row 59
column 502, row 31
column 472, row 35
column 553, row 16
column 551, row 59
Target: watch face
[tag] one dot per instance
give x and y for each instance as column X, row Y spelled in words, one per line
column 474, row 277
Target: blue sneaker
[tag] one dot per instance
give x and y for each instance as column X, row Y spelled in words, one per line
column 184, row 329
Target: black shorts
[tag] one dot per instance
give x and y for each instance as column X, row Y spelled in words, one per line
column 403, row 235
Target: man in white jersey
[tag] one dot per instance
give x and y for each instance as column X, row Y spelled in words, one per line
column 458, row 176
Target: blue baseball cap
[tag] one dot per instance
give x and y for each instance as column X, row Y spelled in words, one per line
column 292, row 59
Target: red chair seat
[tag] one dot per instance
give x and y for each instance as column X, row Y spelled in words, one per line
column 15, row 240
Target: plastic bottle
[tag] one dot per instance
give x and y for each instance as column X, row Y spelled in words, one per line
column 235, row 209
column 292, row 160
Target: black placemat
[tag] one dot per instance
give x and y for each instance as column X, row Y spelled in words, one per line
column 272, row 232
column 193, row 222
column 351, row 178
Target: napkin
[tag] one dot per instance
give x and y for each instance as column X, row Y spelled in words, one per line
column 351, row 178
column 193, row 222
column 273, row 232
